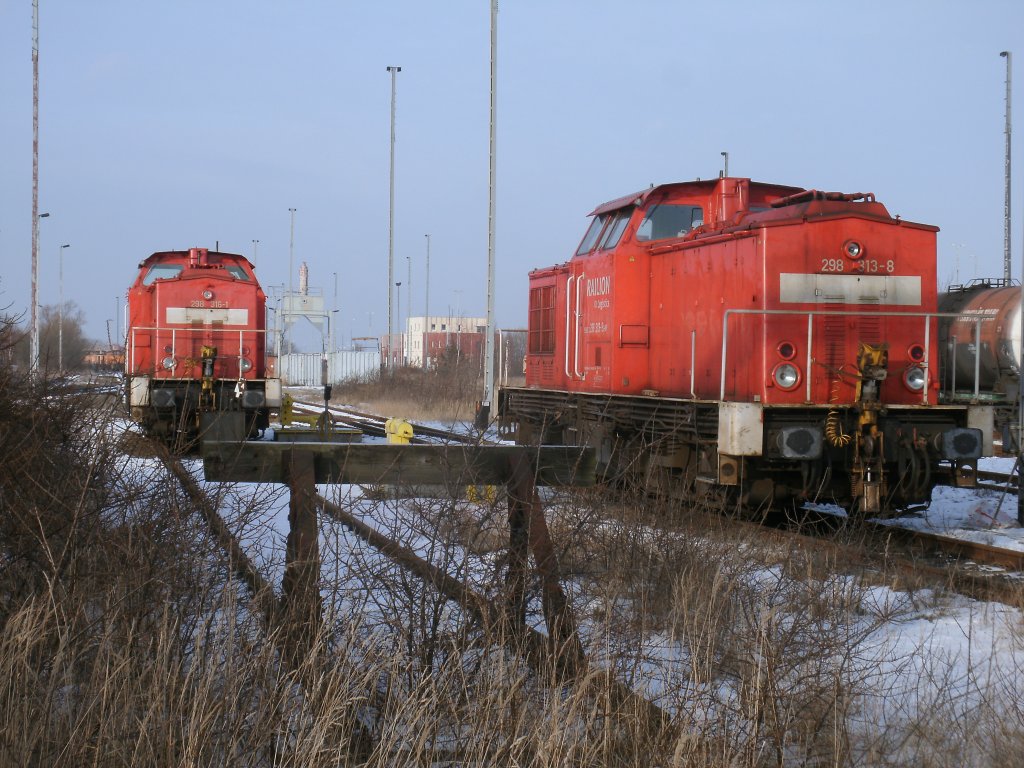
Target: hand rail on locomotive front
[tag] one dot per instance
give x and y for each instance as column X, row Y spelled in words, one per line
column 811, row 314
column 221, row 332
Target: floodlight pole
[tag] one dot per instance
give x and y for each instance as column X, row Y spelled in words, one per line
column 484, row 413
column 34, row 330
column 33, row 362
column 726, row 156
column 1006, row 204
column 391, row 214
column 1020, row 360
column 60, row 322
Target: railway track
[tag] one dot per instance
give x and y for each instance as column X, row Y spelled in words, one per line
column 565, row 663
column 374, row 425
column 260, row 590
column 998, row 481
column 980, row 570
column 976, row 569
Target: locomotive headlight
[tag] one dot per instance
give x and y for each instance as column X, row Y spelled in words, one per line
column 169, row 363
column 853, row 249
column 913, row 378
column 207, row 294
column 245, row 364
column 786, row 375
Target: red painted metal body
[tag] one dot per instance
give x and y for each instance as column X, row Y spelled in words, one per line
column 182, row 301
column 771, row 341
column 657, row 313
column 197, row 342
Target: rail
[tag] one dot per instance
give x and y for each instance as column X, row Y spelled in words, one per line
column 811, row 314
column 191, row 334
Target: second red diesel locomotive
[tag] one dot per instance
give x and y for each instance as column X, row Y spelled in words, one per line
column 758, row 343
column 196, row 347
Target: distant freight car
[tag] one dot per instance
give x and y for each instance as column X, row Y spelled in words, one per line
column 196, row 347
column 757, row 344
column 991, row 347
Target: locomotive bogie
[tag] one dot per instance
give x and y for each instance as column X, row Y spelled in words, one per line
column 790, row 336
column 764, row 456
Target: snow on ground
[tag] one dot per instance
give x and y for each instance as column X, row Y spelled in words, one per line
column 982, row 516
column 930, row 647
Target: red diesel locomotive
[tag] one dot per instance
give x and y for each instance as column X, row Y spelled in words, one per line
column 196, row 347
column 754, row 343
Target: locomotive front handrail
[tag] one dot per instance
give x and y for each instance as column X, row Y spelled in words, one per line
column 576, row 351
column 568, row 286
column 812, row 313
column 203, row 331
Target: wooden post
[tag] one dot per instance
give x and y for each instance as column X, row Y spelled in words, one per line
column 518, row 554
column 301, row 603
column 526, row 521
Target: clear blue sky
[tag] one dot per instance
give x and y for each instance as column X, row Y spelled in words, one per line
column 168, row 125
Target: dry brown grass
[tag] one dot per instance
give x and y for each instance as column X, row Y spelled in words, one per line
column 124, row 640
column 447, row 394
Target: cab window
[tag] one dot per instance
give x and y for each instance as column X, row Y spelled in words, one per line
column 613, row 232
column 237, row 272
column 669, row 220
column 590, row 239
column 162, row 272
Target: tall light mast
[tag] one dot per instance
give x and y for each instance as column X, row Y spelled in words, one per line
column 483, row 415
column 34, row 321
column 1006, row 205
column 391, row 218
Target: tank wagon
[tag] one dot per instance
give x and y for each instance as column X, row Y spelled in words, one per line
column 993, row 355
column 196, row 346
column 980, row 340
column 755, row 343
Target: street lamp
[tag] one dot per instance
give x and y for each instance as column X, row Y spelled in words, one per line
column 426, row 310
column 291, row 283
column 255, row 246
column 335, row 309
column 33, row 362
column 60, row 322
column 398, row 304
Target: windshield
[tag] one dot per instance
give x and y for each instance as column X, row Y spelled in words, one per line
column 162, row 272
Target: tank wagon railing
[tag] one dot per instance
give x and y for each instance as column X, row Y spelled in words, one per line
column 192, row 334
column 811, row 314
